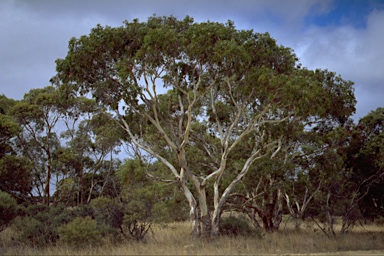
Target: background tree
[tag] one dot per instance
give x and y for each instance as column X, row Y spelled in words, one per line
column 295, row 175
column 14, row 168
column 239, row 85
column 9, row 127
column 316, row 163
column 91, row 137
column 260, row 196
column 365, row 161
column 16, row 178
column 38, row 114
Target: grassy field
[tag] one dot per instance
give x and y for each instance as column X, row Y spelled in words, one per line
column 175, row 239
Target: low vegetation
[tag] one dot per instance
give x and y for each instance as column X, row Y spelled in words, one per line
column 169, row 240
column 8, row 210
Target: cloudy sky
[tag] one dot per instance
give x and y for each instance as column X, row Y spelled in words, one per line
column 344, row 36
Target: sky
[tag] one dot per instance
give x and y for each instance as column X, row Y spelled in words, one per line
column 343, row 36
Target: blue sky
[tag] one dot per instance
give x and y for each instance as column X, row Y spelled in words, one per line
column 344, row 36
column 344, row 12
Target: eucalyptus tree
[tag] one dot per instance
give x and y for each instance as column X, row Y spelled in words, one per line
column 316, row 159
column 295, row 175
column 260, row 196
column 171, row 82
column 14, row 168
column 364, row 156
column 38, row 114
column 368, row 162
column 72, row 159
column 9, row 127
column 87, row 157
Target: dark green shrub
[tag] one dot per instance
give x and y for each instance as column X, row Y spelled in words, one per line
column 147, row 199
column 114, row 217
column 172, row 209
column 38, row 224
column 80, row 231
column 33, row 209
column 108, row 214
column 236, row 226
column 81, row 211
column 8, row 209
column 109, row 211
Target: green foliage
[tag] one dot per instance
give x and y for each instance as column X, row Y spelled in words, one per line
column 188, row 52
column 173, row 208
column 38, row 224
column 237, row 226
column 9, row 128
column 15, row 176
column 8, row 210
column 142, row 201
column 233, row 96
column 80, row 231
column 109, row 213
column 87, row 148
column 66, row 192
column 119, row 218
column 365, row 160
column 147, row 199
column 38, row 114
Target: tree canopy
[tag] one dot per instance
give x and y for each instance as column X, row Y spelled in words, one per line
column 177, row 85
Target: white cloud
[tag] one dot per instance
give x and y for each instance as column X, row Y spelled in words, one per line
column 35, row 33
column 355, row 53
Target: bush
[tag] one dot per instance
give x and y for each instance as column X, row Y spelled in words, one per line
column 132, row 228
column 38, row 224
column 113, row 216
column 8, row 210
column 108, row 214
column 108, row 211
column 235, row 226
column 80, row 231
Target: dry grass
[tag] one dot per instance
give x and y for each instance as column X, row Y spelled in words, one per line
column 175, row 239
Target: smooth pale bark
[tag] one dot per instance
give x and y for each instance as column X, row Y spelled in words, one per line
column 194, row 212
column 203, row 224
